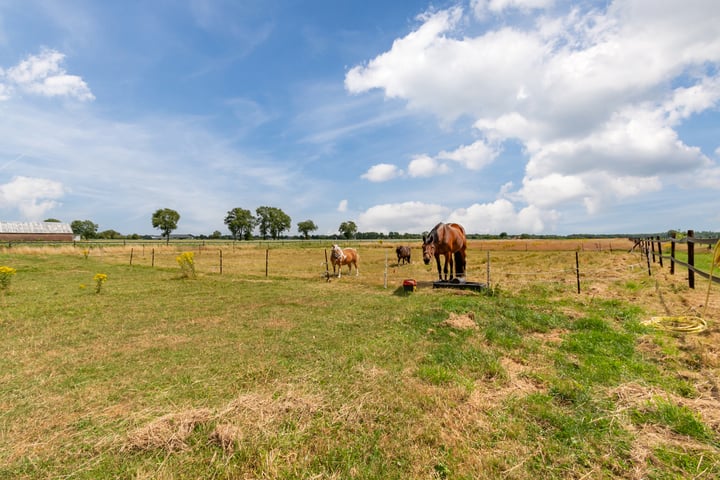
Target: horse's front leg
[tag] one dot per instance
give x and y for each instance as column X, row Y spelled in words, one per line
column 452, row 265
column 437, row 259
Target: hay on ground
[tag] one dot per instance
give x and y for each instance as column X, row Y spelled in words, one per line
column 227, row 436
column 168, row 432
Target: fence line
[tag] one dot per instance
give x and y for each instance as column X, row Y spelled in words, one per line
column 264, row 261
column 252, row 259
column 647, row 245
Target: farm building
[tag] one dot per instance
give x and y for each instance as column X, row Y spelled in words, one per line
column 35, row 231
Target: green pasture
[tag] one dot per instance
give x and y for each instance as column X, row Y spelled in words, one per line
column 152, row 375
column 703, row 259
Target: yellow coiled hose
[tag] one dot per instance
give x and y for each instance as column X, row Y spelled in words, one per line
column 688, row 323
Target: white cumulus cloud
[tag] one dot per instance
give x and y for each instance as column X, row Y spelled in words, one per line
column 426, row 166
column 382, row 172
column 402, row 217
column 43, row 75
column 32, row 197
column 593, row 95
column 473, row 157
column 502, row 216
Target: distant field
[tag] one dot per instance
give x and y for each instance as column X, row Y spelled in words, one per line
column 269, row 370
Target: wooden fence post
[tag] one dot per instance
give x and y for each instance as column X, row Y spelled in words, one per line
column 652, row 248
column 691, row 258
column 386, row 271
column 327, row 267
column 267, row 256
column 577, row 270
column 152, row 262
column 659, row 245
column 673, row 237
column 488, row 268
column 131, row 255
column 221, row 261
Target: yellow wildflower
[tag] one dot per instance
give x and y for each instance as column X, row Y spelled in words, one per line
column 6, row 274
column 99, row 278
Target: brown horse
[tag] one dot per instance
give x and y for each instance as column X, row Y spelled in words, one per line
column 446, row 239
column 347, row 256
column 403, row 253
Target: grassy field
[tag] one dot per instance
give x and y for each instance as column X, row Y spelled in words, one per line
column 271, row 370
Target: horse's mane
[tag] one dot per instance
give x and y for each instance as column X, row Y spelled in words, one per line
column 433, row 234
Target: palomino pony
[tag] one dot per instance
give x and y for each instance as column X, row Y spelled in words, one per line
column 347, row 256
column 446, row 239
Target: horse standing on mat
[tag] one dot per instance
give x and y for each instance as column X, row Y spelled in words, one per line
column 347, row 256
column 446, row 239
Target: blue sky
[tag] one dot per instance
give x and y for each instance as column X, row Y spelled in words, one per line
column 517, row 116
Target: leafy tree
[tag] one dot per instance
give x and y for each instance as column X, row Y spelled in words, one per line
column 52, row 220
column 85, row 228
column 263, row 220
column 348, row 229
column 216, row 234
column 166, row 220
column 503, row 235
column 109, row 234
column 240, row 222
column 306, row 227
column 272, row 221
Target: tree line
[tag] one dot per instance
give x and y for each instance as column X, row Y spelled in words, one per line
column 270, row 222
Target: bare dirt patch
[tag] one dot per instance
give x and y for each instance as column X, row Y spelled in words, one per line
column 465, row 321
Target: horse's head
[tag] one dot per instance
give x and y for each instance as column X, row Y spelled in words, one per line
column 428, row 249
column 337, row 252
